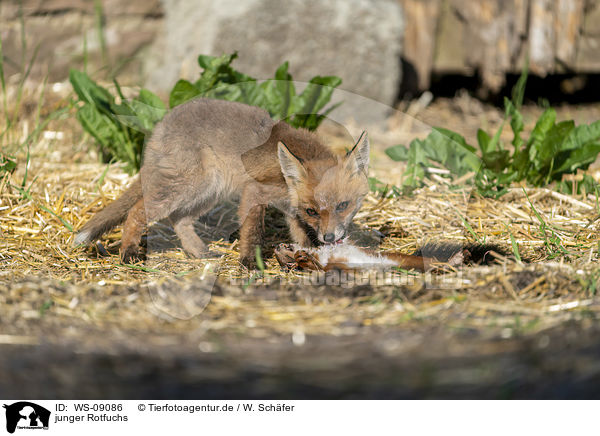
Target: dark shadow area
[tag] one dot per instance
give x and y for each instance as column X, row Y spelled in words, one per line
column 409, row 86
column 447, row 85
column 550, row 90
column 558, row 88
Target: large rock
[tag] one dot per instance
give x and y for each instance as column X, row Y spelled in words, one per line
column 358, row 40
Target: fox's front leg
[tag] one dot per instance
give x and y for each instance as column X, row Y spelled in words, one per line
column 252, row 220
column 298, row 233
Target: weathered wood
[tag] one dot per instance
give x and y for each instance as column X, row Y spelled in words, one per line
column 588, row 46
column 420, row 36
column 568, row 21
column 494, row 37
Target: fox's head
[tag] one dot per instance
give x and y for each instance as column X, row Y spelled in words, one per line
column 326, row 194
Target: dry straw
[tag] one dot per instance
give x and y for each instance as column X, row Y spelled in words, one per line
column 40, row 268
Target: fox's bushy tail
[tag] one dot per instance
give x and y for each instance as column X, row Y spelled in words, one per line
column 111, row 216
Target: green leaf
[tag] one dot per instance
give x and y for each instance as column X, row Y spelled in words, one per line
column 579, row 158
column 397, row 153
column 516, row 124
column 585, row 186
column 483, row 139
column 218, row 72
column 551, row 143
column 315, row 96
column 452, row 151
column 182, row 92
column 518, row 91
column 7, row 164
column 119, row 128
column 146, row 110
column 97, row 124
column 495, row 142
column 456, row 138
column 496, row 160
column 285, row 90
column 414, row 172
column 582, row 135
column 541, row 129
column 88, row 91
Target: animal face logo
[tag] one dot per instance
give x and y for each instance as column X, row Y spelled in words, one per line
column 24, row 414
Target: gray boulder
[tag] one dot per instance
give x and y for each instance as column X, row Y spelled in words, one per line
column 358, row 40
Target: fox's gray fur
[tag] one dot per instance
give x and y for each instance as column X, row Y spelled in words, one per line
column 204, row 151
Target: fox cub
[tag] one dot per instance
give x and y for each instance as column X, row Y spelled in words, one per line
column 206, row 150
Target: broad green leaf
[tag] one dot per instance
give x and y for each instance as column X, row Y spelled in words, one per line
column 495, row 143
column 582, row 135
column 541, row 129
column 315, row 96
column 397, row 153
column 579, row 158
column 285, row 89
column 414, row 172
column 88, row 91
column 119, row 128
column 516, row 124
column 458, row 139
column 483, row 139
column 151, row 99
column 551, row 144
column 182, row 92
column 451, row 150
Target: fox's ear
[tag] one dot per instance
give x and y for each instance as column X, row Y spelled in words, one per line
column 358, row 157
column 291, row 165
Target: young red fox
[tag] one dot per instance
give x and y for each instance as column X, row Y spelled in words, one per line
column 206, row 150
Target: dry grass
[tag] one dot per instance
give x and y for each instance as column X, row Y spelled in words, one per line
column 46, row 281
column 172, row 323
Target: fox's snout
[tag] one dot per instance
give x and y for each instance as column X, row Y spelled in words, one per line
column 332, row 235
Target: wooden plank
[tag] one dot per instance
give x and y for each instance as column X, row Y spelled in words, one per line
column 568, row 22
column 420, row 17
column 541, row 37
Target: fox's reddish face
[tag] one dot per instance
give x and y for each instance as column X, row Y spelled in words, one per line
column 326, row 194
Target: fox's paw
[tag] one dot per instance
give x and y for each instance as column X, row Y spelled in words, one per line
column 249, row 262
column 284, row 253
column 131, row 254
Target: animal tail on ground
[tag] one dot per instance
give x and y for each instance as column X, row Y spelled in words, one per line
column 474, row 253
column 111, row 216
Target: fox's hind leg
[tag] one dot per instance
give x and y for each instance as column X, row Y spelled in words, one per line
column 190, row 241
column 135, row 226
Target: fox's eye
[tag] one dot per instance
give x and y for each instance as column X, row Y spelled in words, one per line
column 311, row 211
column 342, row 206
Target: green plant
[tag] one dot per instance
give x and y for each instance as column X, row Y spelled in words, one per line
column 277, row 96
column 7, row 164
column 118, row 128
column 552, row 150
column 119, row 125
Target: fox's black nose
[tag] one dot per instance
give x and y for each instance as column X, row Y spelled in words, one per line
column 329, row 237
